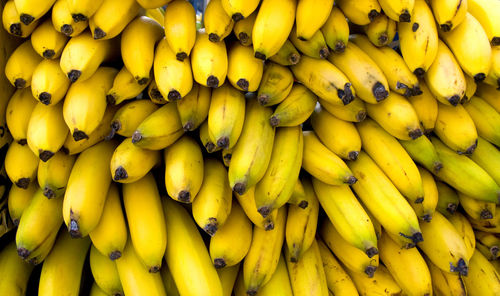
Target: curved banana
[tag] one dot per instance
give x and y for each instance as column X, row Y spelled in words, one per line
column 311, row 16
column 18, row 113
column 209, row 61
column 487, row 156
column 446, row 283
column 287, row 55
column 21, row 164
column 487, row 13
column 205, row 139
column 12, row 22
column 63, row 20
column 150, row 4
column 244, row 70
column 314, row 47
column 48, row 42
column 423, row 152
column 243, row 29
column 381, row 30
column 488, row 240
column 129, row 116
column 337, row 280
column 247, row 203
column 486, row 119
column 426, row 107
column 464, row 228
column 105, row 273
column 30, row 11
column 239, row 10
column 112, row 17
column 157, row 13
column 493, row 77
column 490, row 225
column 296, row 108
column 381, row 283
column 276, row 84
column 427, row 207
column 21, row 64
column 353, row 112
column 447, row 199
column 482, row 277
column 180, row 27
column 218, row 24
column 16, row 271
column 53, row 174
column 449, row 13
column 168, row 281
column 227, row 278
column 490, row 94
column 49, row 84
column 477, row 209
column 360, row 13
column 226, row 156
column 336, row 30
column 82, row 10
column 193, row 108
column 19, row 199
column 125, row 87
column 399, row 11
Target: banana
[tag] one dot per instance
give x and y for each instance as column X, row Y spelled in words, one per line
column 272, row 26
column 489, row 254
column 353, row 112
column 418, row 39
column 423, row 152
column 399, row 11
column 209, row 61
column 135, row 279
column 486, row 119
column 449, row 13
column 174, row 78
column 112, row 17
column 158, row 14
column 186, row 255
column 465, row 175
column 148, row 136
column 227, row 278
column 477, row 209
column 470, row 89
column 184, row 169
column 277, row 184
column 489, row 241
column 426, row 107
column 247, row 203
column 399, row 77
column 21, row 165
column 18, row 113
column 426, row 208
column 63, row 20
column 224, row 250
column 381, row 30
column 301, row 225
column 487, row 157
column 137, row 46
column 226, row 156
column 129, row 116
column 447, row 200
column 19, row 199
column 397, row 116
column 30, row 11
column 407, row 267
column 194, row 107
column 144, row 212
column 244, row 70
column 105, row 273
column 489, row 94
column 336, row 30
column 110, row 234
column 154, row 94
column 243, row 29
column 382, row 283
column 16, row 272
column 487, row 13
column 12, row 23
column 493, row 77
column 392, row 158
column 446, row 283
column 130, row 163
column 82, row 10
column 53, row 175
column 314, row 47
column 296, row 108
column 263, row 256
column 252, row 153
column 180, row 27
column 482, row 278
column 125, row 87
column 206, row 142
column 467, row 38
column 347, row 216
column 87, row 189
column 445, row 78
column 239, row 10
column 218, row 24
column 212, row 205
column 490, row 225
column 287, row 55
column 168, row 281
column 150, row 4
column 39, row 225
column 337, row 280
column 311, row 16
column 464, row 228
column 361, row 13
column 49, row 84
column 21, row 64
column 352, row 258
column 367, row 78
column 276, row 84
column 48, row 42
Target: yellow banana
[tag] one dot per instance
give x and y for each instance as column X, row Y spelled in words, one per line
column 224, row 250
column 353, row 112
column 276, row 84
column 154, row 94
column 337, row 280
column 18, row 113
column 19, row 199
column 489, row 94
column 218, row 24
column 239, row 10
column 49, row 84
column 273, row 25
column 180, row 27
column 243, row 29
column 447, row 200
column 150, row 4
column 168, row 281
column 252, row 153
column 487, row 157
column 63, row 20
column 299, row 197
column 336, row 30
column 137, row 47
column 12, row 23
column 87, row 189
column 125, row 87
column 470, row 89
column 105, row 273
column 445, row 283
column 487, row 13
column 226, row 156
column 205, row 139
column 82, row 10
column 277, row 184
column 53, row 174
column 301, row 225
column 174, row 78
column 486, row 119
column 482, row 279
column 110, row 234
column 489, row 241
column 311, row 16
column 477, row 209
column 21, row 64
column 381, row 30
column 48, row 42
column 247, row 203
column 287, row 55
column 426, row 107
column 490, row 225
column 493, row 77
column 361, row 13
column 227, row 278
column 209, row 61
column 129, row 116
column 194, row 107
column 426, row 208
column 30, row 11
column 314, row 47
column 423, row 152
column 382, row 283
column 112, row 17
column 16, row 272
column 21, row 165
column 184, row 170
column 296, row 108
column 448, row 13
column 148, row 136
column 186, row 255
column 244, row 70
column 158, row 14
column 399, row 11
column 464, row 228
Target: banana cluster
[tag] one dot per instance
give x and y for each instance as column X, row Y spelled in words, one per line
column 288, row 147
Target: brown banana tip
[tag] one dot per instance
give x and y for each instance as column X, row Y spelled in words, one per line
column 184, row 196
column 74, row 229
column 22, row 142
column 23, row 253
column 78, row 17
column 252, row 292
column 428, row 131
column 211, row 226
column 415, row 134
column 73, row 75
column 293, row 59
column 20, row 83
column 23, row 183
column 181, row 56
column 445, row 27
column 79, row 135
column 415, row 27
column 263, row 99
column 142, row 80
column 370, row 271
column 26, row 18
column 472, row 148
column 212, row 81
column 120, row 174
column 451, row 208
column 219, row 263
column 361, row 115
column 239, row 188
column 243, row 84
column 479, row 77
column 15, row 29
column 155, row 94
column 227, row 157
column 382, row 39
column 45, row 155
column 437, row 166
column 260, row 55
column 303, row 204
column 495, row 41
column 372, row 251
column 324, row 53
column 237, row 17
column 99, row 33
column 419, row 200
column 345, row 94
column 419, row 72
column 49, row 53
column 339, row 46
column 115, row 255
column 213, row 37
column 269, row 225
column 264, row 211
column 16, row 222
column 379, row 91
column 417, row 237
column 461, row 267
column 243, row 37
column 486, row 214
column 136, row 137
column 427, row 218
column 67, row 29
column 154, row 269
column 294, row 259
column 353, row 155
column 494, row 250
column 274, row 121
column 188, row 126
column 48, row 192
column 115, row 126
column 351, row 180
column 405, row 17
column 373, row 14
column 174, row 95
column 210, row 147
column 45, row 98
column 223, row 142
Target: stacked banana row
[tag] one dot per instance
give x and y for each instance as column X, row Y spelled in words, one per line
column 301, row 154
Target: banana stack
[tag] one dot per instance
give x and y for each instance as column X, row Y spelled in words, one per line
column 289, row 147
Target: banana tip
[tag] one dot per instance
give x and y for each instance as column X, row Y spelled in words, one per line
column 16, row 222
column 188, row 126
column 427, row 218
column 495, row 41
column 419, row 72
column 136, row 137
column 73, row 75
column 45, row 155
column 259, row 55
column 49, row 53
column 181, row 56
column 293, row 59
column 23, row 183
column 174, row 95
column 79, row 135
column 471, row 149
column 361, row 115
column 15, row 29
column 78, row 17
column 346, row 94
column 445, row 27
column 353, row 155
column 264, row 211
column 219, row 263
column 379, row 92
column 486, row 214
column 405, row 17
column 451, row 208
column 26, row 18
column 142, row 80
column 370, row 271
column 268, row 225
column 20, row 83
column 213, row 37
column 120, row 174
column 45, row 98
column 419, row 200
column 154, row 269
column 373, row 14
column 274, row 121
column 417, row 237
column 210, row 147
column 48, row 192
column 382, row 39
column 239, row 188
column 74, row 229
column 415, row 134
column 110, row 99
column 243, row 84
column 237, row 17
column 184, row 196
column 67, row 29
column 244, row 39
column 324, row 53
column 115, row 255
column 303, row 204
column 211, row 226
column 212, row 81
column 372, row 251
column 339, row 47
column 479, row 77
column 99, row 33
column 23, row 252
column 461, row 267
column 223, row 142
column 252, row 292
column 351, row 180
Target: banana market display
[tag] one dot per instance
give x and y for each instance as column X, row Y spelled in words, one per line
column 274, row 147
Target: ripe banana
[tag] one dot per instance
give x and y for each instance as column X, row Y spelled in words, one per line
column 493, row 77
column 48, row 42
column 82, row 10
column 154, row 94
column 276, row 84
column 381, row 30
column 19, row 199
column 193, row 108
column 112, row 17
column 447, row 199
column 53, row 174
column 209, row 61
column 18, row 113
column 218, row 24
column 180, row 27
column 336, row 30
column 314, row 47
column 311, row 16
column 287, row 55
column 490, row 225
column 486, row 119
column 477, row 209
column 426, row 208
column 423, row 152
column 125, row 87
column 238, row 9
column 298, row 196
column 489, row 94
column 247, row 203
column 489, row 241
column 49, row 84
column 482, row 277
column 487, row 157
column 105, row 273
column 227, row 278
column 296, row 108
column 449, row 13
column 360, row 13
column 150, row 4
column 12, row 23
column 470, row 89
column 30, row 11
column 426, row 107
column 487, row 13
column 21, row 64
column 337, row 280
column 63, row 20
column 168, row 281
column 244, row 70
column 21, row 164
column 243, row 29
column 464, row 228
column 445, row 283
column 129, row 116
column 206, row 142
column 16, row 272
column 381, row 283
column 353, row 112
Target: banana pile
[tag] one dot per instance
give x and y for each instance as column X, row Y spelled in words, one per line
column 289, row 147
